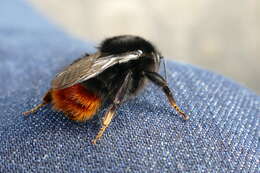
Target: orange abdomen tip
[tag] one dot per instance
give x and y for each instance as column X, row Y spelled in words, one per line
column 76, row 102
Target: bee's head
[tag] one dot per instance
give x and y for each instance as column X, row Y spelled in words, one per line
column 126, row 43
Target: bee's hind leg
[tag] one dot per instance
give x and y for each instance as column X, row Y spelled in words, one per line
column 112, row 108
column 46, row 99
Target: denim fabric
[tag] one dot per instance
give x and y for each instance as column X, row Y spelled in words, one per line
column 147, row 135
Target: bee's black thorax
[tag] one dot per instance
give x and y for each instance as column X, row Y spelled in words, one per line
column 108, row 82
column 125, row 43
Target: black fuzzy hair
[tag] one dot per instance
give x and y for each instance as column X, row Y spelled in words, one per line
column 125, row 43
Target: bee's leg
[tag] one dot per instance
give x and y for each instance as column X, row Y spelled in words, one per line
column 105, row 122
column 46, row 99
column 161, row 82
column 112, row 108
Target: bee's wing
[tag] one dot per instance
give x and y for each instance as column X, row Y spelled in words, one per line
column 89, row 67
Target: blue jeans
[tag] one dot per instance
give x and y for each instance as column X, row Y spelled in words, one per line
column 147, row 135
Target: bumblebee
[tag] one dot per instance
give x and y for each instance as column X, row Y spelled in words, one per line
column 117, row 72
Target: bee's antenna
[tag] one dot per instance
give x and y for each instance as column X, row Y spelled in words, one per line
column 164, row 66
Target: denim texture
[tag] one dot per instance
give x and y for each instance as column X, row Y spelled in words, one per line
column 147, row 135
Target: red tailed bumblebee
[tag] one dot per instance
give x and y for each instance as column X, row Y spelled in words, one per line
column 118, row 71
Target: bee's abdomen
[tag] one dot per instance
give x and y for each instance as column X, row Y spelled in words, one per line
column 76, row 102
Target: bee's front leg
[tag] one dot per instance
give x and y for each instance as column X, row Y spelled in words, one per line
column 161, row 82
